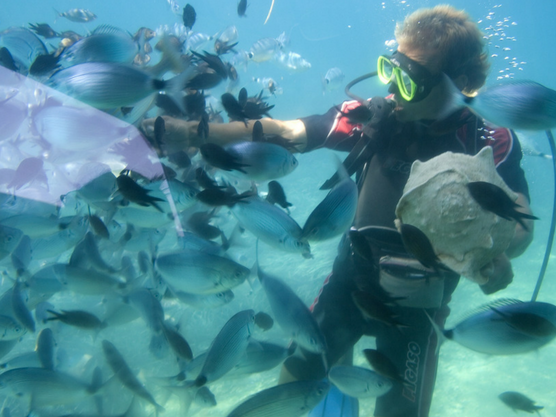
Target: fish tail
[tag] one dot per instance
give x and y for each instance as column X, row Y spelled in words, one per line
column 455, row 101
column 519, row 216
column 175, row 86
column 58, row 14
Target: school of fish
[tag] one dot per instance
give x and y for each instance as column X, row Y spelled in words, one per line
column 103, row 228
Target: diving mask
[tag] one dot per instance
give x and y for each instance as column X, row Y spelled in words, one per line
column 413, row 80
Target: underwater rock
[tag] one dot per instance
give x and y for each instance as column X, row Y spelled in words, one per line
column 437, row 201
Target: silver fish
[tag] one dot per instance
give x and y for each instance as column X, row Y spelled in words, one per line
column 227, row 348
column 293, row 399
column 271, row 225
column 182, row 194
column 333, row 79
column 45, row 347
column 86, row 281
column 9, row 239
column 205, row 301
column 24, row 45
column 87, row 255
column 264, row 49
column 105, row 44
column 334, row 214
column 262, row 161
column 149, row 308
column 486, row 331
column 10, row 329
column 204, row 398
column 200, row 273
column 56, row 244
column 33, row 226
column 21, row 256
column 122, row 371
column 115, row 85
column 78, row 15
column 291, row 313
column 515, row 105
column 24, row 360
column 197, row 40
column 261, row 356
column 359, row 382
column 292, row 61
column 46, row 387
column 20, row 309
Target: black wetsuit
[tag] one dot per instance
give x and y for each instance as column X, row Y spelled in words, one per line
column 381, row 183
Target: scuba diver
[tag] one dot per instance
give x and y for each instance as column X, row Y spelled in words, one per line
column 387, row 136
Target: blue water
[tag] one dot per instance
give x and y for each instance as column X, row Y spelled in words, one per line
column 347, row 34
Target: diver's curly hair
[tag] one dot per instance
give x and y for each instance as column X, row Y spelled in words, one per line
column 453, row 36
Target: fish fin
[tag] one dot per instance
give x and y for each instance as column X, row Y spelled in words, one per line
column 439, row 333
column 336, row 404
column 455, row 99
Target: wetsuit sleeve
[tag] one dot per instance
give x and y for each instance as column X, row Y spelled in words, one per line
column 332, row 130
column 507, row 157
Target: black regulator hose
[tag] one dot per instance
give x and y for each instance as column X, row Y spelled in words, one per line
column 552, row 225
column 358, row 80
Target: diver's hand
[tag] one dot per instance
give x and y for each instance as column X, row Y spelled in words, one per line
column 499, row 273
column 177, row 135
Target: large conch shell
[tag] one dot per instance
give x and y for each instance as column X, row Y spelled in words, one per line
column 436, row 200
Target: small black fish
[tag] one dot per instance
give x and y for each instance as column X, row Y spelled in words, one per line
column 218, row 197
column 45, row 64
column 214, row 62
column 233, row 108
column 372, row 308
column 204, row 180
column 98, row 226
column 222, row 48
column 493, row 198
column 383, row 365
column 133, row 192
column 198, row 223
column 218, row 157
column 180, row 158
column 169, row 106
column 264, row 321
column 528, row 323
column 189, row 16
column 203, row 127
column 7, row 60
column 256, row 107
column 518, row 401
column 276, row 195
column 258, row 133
column 242, row 97
column 241, row 8
column 44, row 30
column 204, row 80
column 419, row 245
column 195, row 104
column 232, row 72
column 159, row 131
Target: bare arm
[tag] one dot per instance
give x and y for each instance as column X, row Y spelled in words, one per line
column 182, row 134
